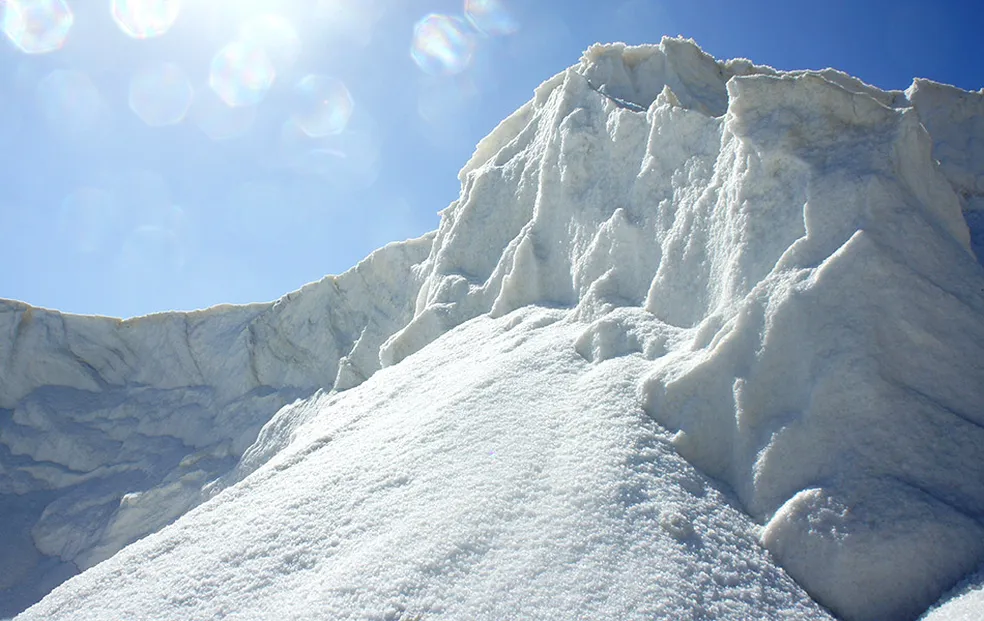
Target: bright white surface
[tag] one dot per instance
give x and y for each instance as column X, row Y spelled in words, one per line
column 530, row 487
column 799, row 228
column 965, row 603
column 774, row 266
column 112, row 428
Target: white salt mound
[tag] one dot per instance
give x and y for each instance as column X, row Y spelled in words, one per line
column 693, row 330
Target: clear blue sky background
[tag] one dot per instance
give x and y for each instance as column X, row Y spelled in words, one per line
column 103, row 213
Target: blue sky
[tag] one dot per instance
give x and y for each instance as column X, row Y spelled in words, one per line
column 129, row 185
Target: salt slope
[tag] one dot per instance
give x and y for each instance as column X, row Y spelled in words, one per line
column 789, row 260
column 798, row 228
column 110, row 429
column 496, row 476
column 965, row 602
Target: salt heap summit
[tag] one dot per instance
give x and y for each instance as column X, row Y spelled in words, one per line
column 692, row 328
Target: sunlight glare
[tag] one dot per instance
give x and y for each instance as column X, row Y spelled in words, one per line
column 442, row 44
column 274, row 35
column 490, row 17
column 160, row 94
column 36, row 26
column 241, row 74
column 325, row 106
column 143, row 19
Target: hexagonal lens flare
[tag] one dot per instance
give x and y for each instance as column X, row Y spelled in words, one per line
column 274, row 35
column 143, row 19
column 36, row 26
column 241, row 74
column 325, row 106
column 160, row 94
column 442, row 44
column 490, row 17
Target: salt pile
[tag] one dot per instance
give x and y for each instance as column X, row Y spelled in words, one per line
column 699, row 338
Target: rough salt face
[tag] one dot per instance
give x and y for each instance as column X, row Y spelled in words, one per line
column 774, row 266
column 110, row 429
column 793, row 233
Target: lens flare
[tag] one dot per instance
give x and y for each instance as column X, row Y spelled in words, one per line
column 325, row 106
column 36, row 26
column 144, row 19
column 276, row 37
column 490, row 17
column 442, row 45
column 241, row 74
column 160, row 94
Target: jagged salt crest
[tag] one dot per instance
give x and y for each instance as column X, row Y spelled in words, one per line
column 789, row 252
